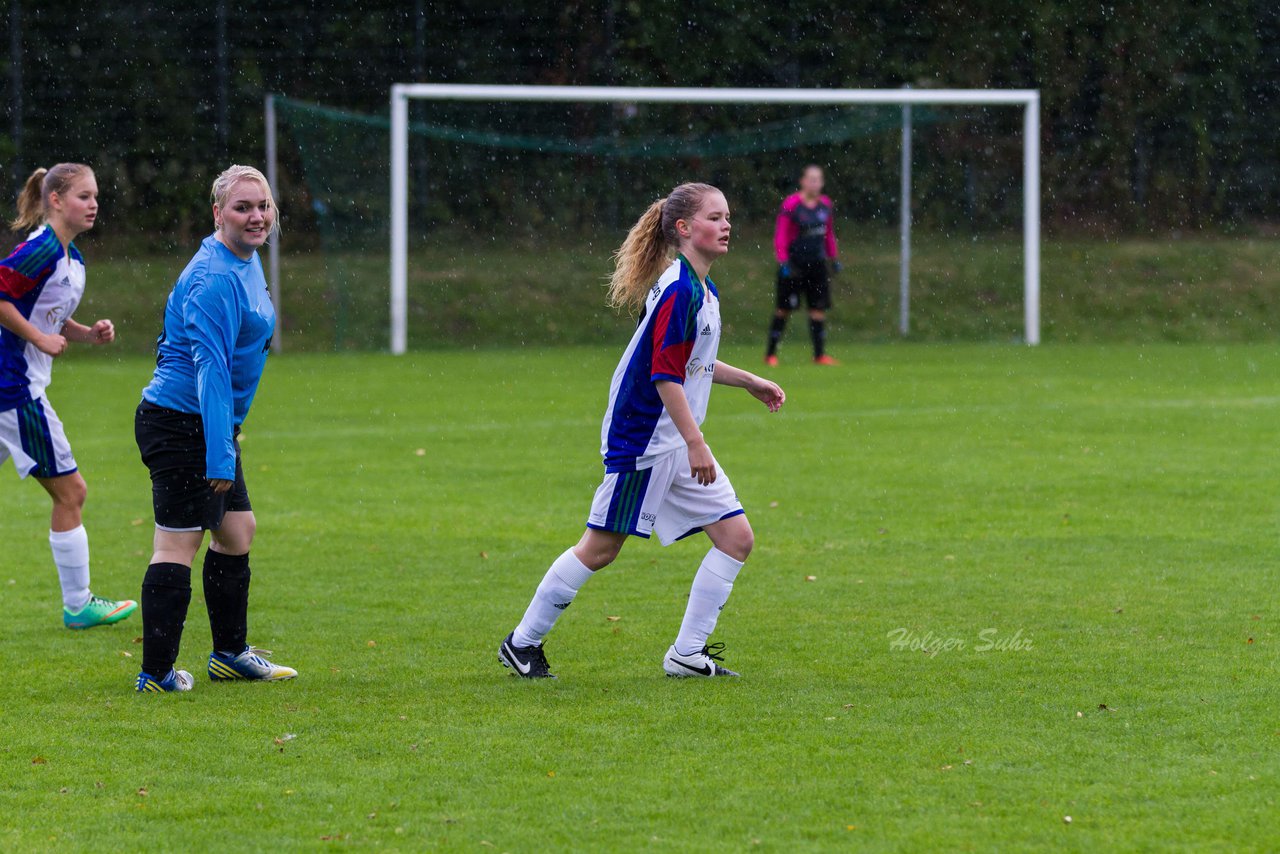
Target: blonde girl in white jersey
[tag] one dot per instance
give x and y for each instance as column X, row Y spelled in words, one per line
column 41, row 283
column 660, row 475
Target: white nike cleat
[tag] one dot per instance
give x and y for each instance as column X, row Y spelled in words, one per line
column 700, row 664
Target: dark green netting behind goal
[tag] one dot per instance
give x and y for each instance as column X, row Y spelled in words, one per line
column 487, row 180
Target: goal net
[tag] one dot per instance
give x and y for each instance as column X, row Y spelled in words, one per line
column 518, row 203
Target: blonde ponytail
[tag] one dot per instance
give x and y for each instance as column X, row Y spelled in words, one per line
column 649, row 244
column 639, row 260
column 30, row 203
column 33, row 201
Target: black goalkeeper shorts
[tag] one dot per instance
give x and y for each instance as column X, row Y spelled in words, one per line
column 809, row 280
column 172, row 448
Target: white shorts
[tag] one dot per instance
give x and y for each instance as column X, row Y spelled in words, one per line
column 32, row 434
column 663, row 498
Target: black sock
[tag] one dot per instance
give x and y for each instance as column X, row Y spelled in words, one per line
column 226, row 595
column 776, row 327
column 166, row 593
column 818, row 331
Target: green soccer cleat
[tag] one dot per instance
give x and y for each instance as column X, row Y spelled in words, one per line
column 98, row 612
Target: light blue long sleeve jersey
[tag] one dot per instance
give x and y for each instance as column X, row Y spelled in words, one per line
column 218, row 324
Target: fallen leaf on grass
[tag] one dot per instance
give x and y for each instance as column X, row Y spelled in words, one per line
column 288, row 736
column 773, row 504
column 373, row 644
column 946, row 768
column 484, row 555
column 1250, row 640
column 371, row 816
column 1079, row 714
column 137, row 640
column 421, row 452
column 135, row 522
column 62, row 791
column 613, row 619
column 39, row 760
column 1066, row 819
column 847, row 706
column 142, row 792
column 811, row 578
column 126, row 654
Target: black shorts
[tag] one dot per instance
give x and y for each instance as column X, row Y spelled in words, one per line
column 808, row 279
column 172, row 448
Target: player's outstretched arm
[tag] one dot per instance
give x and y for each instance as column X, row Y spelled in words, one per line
column 766, row 391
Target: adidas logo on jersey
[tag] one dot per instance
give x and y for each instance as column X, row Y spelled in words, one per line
column 706, row 330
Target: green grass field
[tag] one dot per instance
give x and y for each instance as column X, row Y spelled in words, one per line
column 1105, row 514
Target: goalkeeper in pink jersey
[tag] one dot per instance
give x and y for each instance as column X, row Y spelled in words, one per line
column 804, row 242
column 660, row 475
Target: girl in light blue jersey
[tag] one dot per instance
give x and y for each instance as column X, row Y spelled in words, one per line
column 218, row 323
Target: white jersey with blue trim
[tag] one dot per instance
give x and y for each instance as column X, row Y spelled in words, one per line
column 46, row 285
column 676, row 340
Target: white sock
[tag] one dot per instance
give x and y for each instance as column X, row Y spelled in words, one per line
column 71, row 556
column 561, row 583
column 710, row 591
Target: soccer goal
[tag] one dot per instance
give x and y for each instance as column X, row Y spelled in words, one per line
column 1027, row 99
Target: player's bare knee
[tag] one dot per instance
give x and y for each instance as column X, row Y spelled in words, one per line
column 597, row 557
column 235, row 537
column 740, row 544
column 73, row 493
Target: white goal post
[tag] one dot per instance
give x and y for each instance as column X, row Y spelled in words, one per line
column 1028, row 99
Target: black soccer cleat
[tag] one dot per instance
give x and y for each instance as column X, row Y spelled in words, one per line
column 529, row 662
column 701, row 664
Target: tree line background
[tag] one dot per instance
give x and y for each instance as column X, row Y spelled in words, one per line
column 1155, row 116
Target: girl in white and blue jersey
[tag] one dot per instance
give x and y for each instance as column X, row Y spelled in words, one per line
column 218, row 323
column 660, row 475
column 41, row 283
